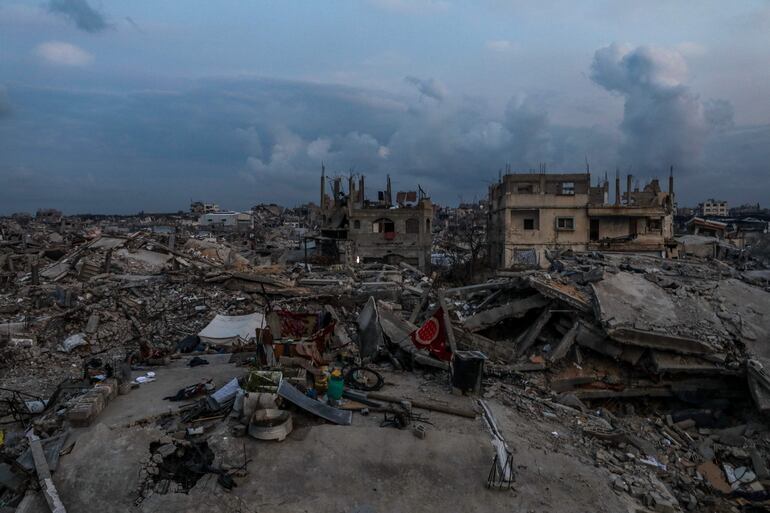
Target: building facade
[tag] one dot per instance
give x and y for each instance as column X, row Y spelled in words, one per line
column 712, row 207
column 198, row 207
column 380, row 230
column 530, row 214
column 226, row 221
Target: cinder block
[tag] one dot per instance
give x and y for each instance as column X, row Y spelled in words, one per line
column 82, row 414
column 113, row 384
column 104, row 391
column 94, row 398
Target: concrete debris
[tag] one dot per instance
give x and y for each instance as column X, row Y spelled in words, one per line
column 627, row 380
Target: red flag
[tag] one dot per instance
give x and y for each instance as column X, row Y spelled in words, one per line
column 432, row 336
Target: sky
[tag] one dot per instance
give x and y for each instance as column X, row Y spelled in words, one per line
column 109, row 106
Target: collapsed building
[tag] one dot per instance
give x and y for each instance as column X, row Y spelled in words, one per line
column 533, row 213
column 381, row 230
column 164, row 371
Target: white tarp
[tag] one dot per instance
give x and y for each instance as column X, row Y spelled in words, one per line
column 226, row 329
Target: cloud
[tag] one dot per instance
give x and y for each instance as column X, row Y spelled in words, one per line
column 501, row 46
column 80, row 13
column 429, row 87
column 243, row 140
column 664, row 122
column 719, row 114
column 63, row 54
column 528, row 126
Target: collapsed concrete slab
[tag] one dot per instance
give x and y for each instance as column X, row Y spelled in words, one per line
column 640, row 312
column 516, row 308
column 657, row 340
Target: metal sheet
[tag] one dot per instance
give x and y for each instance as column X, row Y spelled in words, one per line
column 369, row 330
column 317, row 408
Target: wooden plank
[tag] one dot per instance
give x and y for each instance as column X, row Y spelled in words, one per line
column 447, row 322
column 430, row 406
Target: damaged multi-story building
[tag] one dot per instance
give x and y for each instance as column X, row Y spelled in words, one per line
column 532, row 213
column 381, row 230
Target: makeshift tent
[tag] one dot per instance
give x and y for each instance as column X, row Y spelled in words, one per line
column 227, row 329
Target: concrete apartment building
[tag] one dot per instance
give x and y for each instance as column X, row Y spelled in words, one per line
column 381, row 230
column 532, row 213
column 712, row 207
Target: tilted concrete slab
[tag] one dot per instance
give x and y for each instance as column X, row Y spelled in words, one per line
column 639, row 312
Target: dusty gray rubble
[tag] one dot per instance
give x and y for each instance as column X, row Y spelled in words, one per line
column 179, row 372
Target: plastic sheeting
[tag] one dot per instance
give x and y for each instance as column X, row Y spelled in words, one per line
column 227, row 329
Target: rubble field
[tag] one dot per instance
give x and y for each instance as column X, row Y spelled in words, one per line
column 146, row 371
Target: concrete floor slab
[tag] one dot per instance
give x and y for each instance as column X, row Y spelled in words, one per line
column 361, row 468
column 147, row 400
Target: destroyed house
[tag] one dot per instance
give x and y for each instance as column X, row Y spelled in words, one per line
column 381, row 230
column 532, row 213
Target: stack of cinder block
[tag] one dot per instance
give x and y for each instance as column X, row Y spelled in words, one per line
column 89, row 405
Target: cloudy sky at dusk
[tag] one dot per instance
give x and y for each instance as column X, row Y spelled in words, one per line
column 115, row 106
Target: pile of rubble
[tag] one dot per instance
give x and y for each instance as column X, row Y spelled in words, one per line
column 653, row 371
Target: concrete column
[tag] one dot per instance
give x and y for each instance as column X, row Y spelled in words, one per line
column 617, row 189
column 628, row 188
column 323, row 186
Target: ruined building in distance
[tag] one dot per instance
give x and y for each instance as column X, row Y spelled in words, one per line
column 381, row 230
column 533, row 213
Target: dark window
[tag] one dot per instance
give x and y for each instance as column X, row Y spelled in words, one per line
column 524, row 189
column 529, row 224
column 412, row 225
column 427, row 225
column 383, row 226
column 568, row 188
column 565, row 223
column 654, row 224
column 357, row 224
column 594, row 229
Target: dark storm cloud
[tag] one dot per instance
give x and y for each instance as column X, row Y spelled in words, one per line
column 241, row 141
column 265, row 140
column 80, row 13
column 664, row 121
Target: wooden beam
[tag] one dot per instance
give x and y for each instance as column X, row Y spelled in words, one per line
column 447, row 322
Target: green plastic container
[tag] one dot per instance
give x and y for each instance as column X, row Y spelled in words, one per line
column 336, row 386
